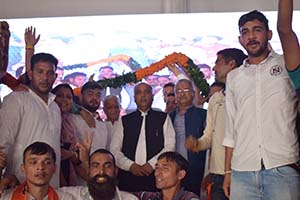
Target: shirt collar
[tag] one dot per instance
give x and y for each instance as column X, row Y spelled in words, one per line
column 51, row 97
column 272, row 54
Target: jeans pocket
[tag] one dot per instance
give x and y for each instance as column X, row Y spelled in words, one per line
column 286, row 171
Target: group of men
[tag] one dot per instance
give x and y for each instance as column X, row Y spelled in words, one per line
column 249, row 128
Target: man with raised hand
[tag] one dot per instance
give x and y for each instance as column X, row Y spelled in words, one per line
column 31, row 116
column 260, row 137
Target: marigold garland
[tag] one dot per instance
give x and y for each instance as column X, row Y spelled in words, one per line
column 174, row 58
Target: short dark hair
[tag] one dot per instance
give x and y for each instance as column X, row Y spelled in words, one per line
column 60, row 68
column 103, row 151
column 74, row 74
column 203, row 65
column 40, row 148
column 90, row 85
column 43, row 57
column 250, row 16
column 63, row 85
column 233, row 54
column 218, row 84
column 170, row 84
column 173, row 156
column 106, row 67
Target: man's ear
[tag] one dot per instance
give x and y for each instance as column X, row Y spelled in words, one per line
column 181, row 174
column 116, row 171
column 22, row 168
column 232, row 64
column 29, row 73
column 80, row 97
column 270, row 35
column 240, row 40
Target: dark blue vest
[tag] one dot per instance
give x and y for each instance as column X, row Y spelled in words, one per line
column 154, row 144
column 195, row 119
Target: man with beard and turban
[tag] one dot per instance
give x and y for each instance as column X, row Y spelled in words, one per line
column 90, row 100
column 102, row 183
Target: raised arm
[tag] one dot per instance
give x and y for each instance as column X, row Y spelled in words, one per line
column 288, row 37
column 30, row 41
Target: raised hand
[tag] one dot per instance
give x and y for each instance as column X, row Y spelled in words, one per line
column 85, row 147
column 30, row 37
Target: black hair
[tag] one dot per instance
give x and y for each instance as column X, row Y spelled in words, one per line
column 250, row 16
column 74, row 74
column 233, row 54
column 170, row 84
column 106, row 67
column 173, row 156
column 43, row 57
column 218, row 84
column 103, row 151
column 63, row 85
column 90, row 85
column 39, row 148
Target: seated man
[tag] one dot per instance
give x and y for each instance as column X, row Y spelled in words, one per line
column 170, row 170
column 102, row 180
column 38, row 166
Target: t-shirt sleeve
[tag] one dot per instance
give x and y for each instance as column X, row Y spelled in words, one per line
column 295, row 78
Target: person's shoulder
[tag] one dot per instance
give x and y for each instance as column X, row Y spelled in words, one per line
column 17, row 95
column 197, row 109
column 127, row 196
column 75, row 191
column 63, row 195
column 187, row 195
column 145, row 195
column 6, row 194
column 216, row 97
column 158, row 112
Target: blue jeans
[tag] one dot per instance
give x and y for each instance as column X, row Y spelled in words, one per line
column 217, row 192
column 280, row 183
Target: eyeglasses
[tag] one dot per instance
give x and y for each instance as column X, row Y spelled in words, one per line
column 183, row 90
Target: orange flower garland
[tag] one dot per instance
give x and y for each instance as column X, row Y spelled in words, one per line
column 175, row 58
column 178, row 58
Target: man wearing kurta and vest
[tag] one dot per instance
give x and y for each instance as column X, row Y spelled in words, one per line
column 141, row 137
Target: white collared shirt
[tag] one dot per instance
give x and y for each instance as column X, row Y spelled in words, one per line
column 100, row 132
column 260, row 115
column 82, row 193
column 111, row 129
column 25, row 118
column 214, row 133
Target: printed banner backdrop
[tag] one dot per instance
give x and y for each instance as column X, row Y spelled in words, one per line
column 127, row 42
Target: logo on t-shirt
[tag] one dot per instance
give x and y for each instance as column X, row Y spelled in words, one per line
column 275, row 70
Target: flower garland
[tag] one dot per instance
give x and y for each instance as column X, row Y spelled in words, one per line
column 175, row 58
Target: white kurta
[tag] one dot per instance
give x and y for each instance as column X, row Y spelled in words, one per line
column 25, row 118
